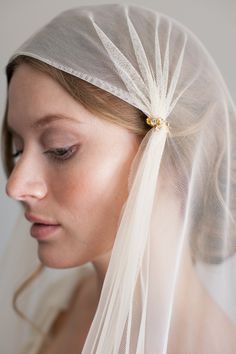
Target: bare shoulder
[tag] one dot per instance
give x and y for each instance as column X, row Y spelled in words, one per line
column 222, row 330
column 202, row 326
column 218, row 330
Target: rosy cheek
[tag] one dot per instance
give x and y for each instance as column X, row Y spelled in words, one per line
column 88, row 187
column 72, row 187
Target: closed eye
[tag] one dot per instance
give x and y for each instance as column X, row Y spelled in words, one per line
column 62, row 153
column 58, row 154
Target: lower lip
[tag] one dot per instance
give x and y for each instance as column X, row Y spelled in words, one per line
column 42, row 232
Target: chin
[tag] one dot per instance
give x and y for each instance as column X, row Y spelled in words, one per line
column 56, row 261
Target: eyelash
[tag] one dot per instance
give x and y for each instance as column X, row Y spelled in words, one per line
column 59, row 155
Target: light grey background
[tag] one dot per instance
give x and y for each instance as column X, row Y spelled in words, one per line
column 213, row 21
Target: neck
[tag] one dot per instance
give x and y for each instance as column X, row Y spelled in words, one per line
column 100, row 265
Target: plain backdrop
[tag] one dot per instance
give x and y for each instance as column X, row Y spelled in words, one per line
column 213, row 21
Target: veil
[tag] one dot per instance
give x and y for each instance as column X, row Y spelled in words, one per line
column 171, row 282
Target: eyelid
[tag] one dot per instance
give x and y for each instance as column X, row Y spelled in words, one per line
column 53, row 153
column 16, row 142
column 58, row 134
column 16, row 154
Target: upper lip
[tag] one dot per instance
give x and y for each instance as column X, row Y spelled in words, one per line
column 39, row 220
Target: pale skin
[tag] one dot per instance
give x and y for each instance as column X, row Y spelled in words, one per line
column 84, row 194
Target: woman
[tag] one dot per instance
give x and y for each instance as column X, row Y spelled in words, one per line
column 124, row 165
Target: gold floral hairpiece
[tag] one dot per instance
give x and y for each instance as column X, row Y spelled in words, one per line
column 158, row 123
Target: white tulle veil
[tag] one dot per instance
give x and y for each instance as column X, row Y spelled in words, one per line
column 171, row 280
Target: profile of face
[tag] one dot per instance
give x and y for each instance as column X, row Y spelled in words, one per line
column 72, row 169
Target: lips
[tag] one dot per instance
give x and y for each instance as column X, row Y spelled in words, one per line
column 39, row 219
column 42, row 228
column 42, row 231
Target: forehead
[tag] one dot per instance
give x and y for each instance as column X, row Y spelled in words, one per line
column 29, row 88
column 34, row 95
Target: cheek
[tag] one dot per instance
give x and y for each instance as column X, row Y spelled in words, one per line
column 89, row 197
column 86, row 197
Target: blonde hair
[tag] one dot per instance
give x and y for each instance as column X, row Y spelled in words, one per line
column 107, row 106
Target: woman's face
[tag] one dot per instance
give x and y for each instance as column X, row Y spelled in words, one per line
column 72, row 170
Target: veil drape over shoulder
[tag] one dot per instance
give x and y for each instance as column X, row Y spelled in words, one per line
column 171, row 281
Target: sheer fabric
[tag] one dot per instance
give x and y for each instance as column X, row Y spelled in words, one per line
column 171, row 281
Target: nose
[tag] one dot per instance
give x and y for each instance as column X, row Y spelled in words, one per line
column 26, row 183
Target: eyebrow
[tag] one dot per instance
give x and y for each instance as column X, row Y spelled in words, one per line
column 44, row 121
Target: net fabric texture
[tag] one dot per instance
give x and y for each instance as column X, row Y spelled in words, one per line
column 171, row 281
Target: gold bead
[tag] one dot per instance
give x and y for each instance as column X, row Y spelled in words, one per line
column 159, row 122
column 149, row 121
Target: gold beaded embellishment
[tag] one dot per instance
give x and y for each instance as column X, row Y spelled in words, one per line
column 157, row 123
